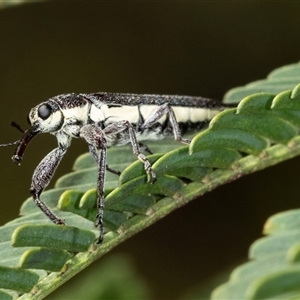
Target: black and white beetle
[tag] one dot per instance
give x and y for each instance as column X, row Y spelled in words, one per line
column 104, row 120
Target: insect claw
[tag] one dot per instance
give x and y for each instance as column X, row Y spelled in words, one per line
column 17, row 159
column 184, row 141
column 60, row 222
column 153, row 180
column 151, row 176
column 100, row 240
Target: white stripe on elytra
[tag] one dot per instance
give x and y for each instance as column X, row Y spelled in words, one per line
column 131, row 113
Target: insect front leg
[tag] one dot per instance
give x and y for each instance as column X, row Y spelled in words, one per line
column 41, row 178
column 95, row 138
column 126, row 126
column 162, row 110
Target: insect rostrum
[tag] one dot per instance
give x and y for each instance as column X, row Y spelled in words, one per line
column 104, row 120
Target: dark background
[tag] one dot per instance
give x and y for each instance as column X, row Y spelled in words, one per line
column 189, row 48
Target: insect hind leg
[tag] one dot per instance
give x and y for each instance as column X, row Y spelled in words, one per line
column 125, row 125
column 165, row 109
column 145, row 148
column 95, row 155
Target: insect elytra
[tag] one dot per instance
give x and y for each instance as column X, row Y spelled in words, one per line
column 104, row 120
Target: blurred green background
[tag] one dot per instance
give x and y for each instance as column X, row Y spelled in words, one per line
column 189, row 48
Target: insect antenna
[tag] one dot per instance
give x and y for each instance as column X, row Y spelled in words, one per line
column 10, row 144
column 17, row 126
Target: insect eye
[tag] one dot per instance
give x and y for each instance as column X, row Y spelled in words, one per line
column 44, row 111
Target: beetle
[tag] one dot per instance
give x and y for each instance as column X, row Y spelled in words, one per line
column 104, row 120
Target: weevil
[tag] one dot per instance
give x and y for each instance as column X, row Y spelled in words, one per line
column 104, row 120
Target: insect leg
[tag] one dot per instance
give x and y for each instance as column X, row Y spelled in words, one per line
column 41, row 178
column 94, row 154
column 145, row 148
column 113, row 171
column 126, row 126
column 95, row 138
column 158, row 113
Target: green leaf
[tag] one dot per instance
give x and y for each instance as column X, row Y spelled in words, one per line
column 274, row 244
column 49, row 259
column 17, row 279
column 53, row 236
column 281, row 79
column 240, row 140
column 7, row 295
column 273, row 272
column 280, row 285
column 262, row 124
column 287, row 221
